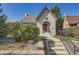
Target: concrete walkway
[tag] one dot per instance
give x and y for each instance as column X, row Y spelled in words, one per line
column 57, row 46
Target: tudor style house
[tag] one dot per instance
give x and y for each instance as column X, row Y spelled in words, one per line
column 70, row 21
column 45, row 21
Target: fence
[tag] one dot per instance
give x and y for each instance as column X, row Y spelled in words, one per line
column 68, row 43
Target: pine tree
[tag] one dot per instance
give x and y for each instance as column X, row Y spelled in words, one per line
column 56, row 12
column 3, row 28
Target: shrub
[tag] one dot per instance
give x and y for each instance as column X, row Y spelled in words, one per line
column 69, row 31
column 3, row 26
column 29, row 33
column 32, row 33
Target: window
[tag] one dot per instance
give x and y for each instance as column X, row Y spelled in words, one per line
column 46, row 18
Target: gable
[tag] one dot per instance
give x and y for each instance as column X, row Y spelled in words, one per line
column 49, row 18
column 65, row 24
column 43, row 14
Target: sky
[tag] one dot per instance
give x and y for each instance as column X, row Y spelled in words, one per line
column 16, row 11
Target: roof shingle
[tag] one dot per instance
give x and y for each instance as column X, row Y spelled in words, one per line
column 72, row 19
column 30, row 18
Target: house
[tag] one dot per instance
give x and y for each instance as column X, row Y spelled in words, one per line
column 11, row 22
column 45, row 21
column 70, row 21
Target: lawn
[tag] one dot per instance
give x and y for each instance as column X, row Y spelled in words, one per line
column 72, row 38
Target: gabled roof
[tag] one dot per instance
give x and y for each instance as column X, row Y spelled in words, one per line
column 72, row 19
column 46, row 8
column 33, row 19
column 30, row 18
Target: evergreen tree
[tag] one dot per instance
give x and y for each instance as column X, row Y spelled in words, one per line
column 56, row 12
column 3, row 28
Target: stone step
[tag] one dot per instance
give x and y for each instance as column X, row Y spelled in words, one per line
column 58, row 44
column 60, row 48
column 58, row 40
column 61, row 52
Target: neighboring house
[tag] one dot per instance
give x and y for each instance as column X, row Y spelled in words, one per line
column 29, row 19
column 11, row 22
column 70, row 21
column 45, row 21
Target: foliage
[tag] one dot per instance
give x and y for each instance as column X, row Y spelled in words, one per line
column 22, row 33
column 69, row 31
column 13, row 30
column 29, row 33
column 3, row 26
column 59, row 21
column 32, row 32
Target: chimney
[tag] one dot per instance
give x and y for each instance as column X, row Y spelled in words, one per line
column 26, row 15
column 65, row 14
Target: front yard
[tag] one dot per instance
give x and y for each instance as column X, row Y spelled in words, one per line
column 22, row 48
column 22, row 39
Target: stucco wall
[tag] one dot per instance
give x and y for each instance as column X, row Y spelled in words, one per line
column 51, row 19
column 65, row 24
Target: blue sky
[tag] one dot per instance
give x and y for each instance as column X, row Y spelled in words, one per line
column 16, row 11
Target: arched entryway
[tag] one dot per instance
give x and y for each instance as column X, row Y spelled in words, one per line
column 46, row 26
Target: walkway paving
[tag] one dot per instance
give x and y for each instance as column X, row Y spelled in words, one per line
column 58, row 47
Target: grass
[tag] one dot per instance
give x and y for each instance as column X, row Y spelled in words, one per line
column 65, row 38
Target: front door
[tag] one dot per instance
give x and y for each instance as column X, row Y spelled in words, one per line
column 45, row 27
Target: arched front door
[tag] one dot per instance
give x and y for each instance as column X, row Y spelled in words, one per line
column 45, row 27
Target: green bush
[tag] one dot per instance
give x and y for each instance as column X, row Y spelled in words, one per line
column 32, row 33
column 29, row 33
column 69, row 31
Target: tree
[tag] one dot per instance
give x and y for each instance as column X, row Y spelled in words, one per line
column 29, row 32
column 14, row 29
column 32, row 32
column 3, row 27
column 22, row 33
column 56, row 12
